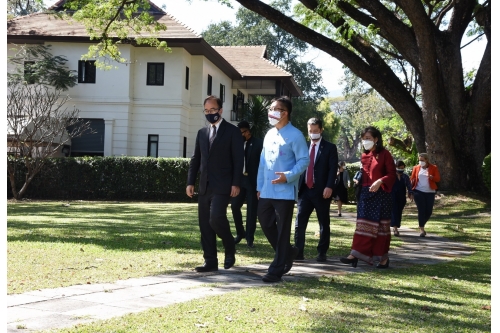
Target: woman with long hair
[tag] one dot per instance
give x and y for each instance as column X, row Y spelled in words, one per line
column 372, row 237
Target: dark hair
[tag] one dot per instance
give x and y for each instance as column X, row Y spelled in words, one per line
column 379, row 145
column 400, row 163
column 315, row 121
column 213, row 97
column 243, row 124
column 285, row 100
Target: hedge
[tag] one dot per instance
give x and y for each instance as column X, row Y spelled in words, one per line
column 116, row 178
column 108, row 178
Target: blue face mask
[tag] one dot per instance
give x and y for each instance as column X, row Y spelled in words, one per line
column 213, row 118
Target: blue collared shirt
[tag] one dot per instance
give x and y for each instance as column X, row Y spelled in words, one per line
column 286, row 151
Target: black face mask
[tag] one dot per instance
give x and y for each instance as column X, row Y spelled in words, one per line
column 213, row 118
column 399, row 171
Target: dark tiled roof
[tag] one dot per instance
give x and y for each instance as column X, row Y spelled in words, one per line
column 250, row 61
column 49, row 25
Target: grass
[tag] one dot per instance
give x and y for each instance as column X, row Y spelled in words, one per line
column 122, row 240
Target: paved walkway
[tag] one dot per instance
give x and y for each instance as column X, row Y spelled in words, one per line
column 65, row 307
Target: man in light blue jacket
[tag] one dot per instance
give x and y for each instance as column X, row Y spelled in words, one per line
column 283, row 159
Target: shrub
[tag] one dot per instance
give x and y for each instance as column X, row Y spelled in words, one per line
column 110, row 178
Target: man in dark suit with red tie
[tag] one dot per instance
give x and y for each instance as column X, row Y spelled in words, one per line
column 248, row 189
column 218, row 157
column 316, row 186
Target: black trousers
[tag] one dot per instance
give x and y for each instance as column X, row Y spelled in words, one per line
column 306, row 204
column 425, row 204
column 275, row 217
column 248, row 193
column 213, row 222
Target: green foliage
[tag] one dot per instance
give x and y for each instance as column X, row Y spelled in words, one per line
column 23, row 7
column 486, row 171
column 110, row 22
column 256, row 115
column 113, row 178
column 35, row 64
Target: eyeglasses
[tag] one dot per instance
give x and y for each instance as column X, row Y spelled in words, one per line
column 244, row 131
column 211, row 111
column 276, row 109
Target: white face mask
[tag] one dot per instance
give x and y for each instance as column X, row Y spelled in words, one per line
column 368, row 144
column 274, row 117
column 422, row 163
column 315, row 136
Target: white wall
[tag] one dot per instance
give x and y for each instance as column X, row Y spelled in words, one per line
column 133, row 109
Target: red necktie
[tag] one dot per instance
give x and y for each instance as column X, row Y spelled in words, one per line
column 310, row 168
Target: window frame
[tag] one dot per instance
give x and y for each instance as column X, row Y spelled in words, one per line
column 88, row 68
column 156, row 81
column 150, row 136
column 209, row 85
column 222, row 91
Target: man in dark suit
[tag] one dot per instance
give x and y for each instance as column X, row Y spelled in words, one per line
column 248, row 189
column 316, row 186
column 218, row 156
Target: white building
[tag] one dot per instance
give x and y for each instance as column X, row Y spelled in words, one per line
column 152, row 106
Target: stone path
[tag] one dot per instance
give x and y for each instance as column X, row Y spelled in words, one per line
column 65, row 307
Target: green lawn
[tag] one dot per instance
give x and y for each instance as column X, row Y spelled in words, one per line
column 51, row 244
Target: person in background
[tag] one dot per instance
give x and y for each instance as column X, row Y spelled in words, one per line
column 218, row 157
column 316, row 186
column 424, row 177
column 343, row 182
column 372, row 237
column 398, row 194
column 357, row 183
column 248, row 189
column 283, row 159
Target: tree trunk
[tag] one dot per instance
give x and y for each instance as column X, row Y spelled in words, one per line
column 450, row 126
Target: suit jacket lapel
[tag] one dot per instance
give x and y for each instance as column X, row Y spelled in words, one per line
column 320, row 148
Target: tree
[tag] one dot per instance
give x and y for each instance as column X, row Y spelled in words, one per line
column 256, row 115
column 38, row 124
column 23, row 7
column 370, row 36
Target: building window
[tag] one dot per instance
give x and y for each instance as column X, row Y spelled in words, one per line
column 184, row 147
column 29, row 71
column 86, row 71
column 209, row 86
column 222, row 95
column 155, row 73
column 153, row 145
column 187, row 78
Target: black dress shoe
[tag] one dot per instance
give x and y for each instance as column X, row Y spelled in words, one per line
column 229, row 261
column 386, row 265
column 353, row 261
column 250, row 245
column 292, row 254
column 271, row 278
column 321, row 257
column 206, row 268
column 238, row 239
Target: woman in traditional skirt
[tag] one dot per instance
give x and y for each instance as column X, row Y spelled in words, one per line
column 372, row 237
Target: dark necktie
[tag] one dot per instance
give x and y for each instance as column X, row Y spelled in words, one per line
column 310, row 168
column 212, row 136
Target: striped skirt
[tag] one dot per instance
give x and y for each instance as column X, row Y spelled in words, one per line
column 372, row 237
